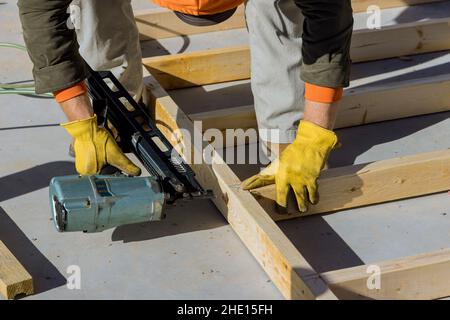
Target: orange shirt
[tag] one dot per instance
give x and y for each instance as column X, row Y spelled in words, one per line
column 199, row 7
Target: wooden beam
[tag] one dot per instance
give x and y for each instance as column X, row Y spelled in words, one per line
column 282, row 262
column 425, row 276
column 162, row 23
column 360, row 105
column 401, row 40
column 371, row 183
column 198, row 68
column 388, row 101
column 14, row 279
column 230, row 64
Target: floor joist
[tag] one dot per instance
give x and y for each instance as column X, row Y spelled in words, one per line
column 230, row 64
column 285, row 266
column 372, row 183
column 425, row 276
column 14, row 279
column 162, row 23
column 360, row 105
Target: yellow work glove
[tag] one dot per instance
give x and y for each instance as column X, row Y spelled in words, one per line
column 298, row 167
column 95, row 148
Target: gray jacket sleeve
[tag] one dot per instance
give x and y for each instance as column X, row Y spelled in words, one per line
column 52, row 45
column 327, row 32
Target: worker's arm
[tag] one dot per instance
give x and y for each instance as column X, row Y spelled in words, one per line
column 59, row 68
column 325, row 69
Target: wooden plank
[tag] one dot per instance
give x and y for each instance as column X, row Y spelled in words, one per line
column 424, row 276
column 14, row 279
column 285, row 266
column 162, row 23
column 367, row 104
column 371, row 183
column 401, row 40
column 229, row 64
column 199, row 68
column 388, row 101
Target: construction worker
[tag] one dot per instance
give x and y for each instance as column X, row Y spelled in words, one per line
column 300, row 63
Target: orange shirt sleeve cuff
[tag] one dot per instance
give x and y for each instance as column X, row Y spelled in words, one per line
column 322, row 94
column 71, row 92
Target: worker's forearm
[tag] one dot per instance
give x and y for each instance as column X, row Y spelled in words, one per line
column 77, row 108
column 321, row 114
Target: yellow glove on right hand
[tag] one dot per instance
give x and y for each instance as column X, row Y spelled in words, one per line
column 95, row 148
column 299, row 166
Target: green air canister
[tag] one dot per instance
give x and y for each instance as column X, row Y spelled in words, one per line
column 99, row 202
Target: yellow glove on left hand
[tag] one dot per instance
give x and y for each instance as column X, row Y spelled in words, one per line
column 95, row 147
column 299, row 166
